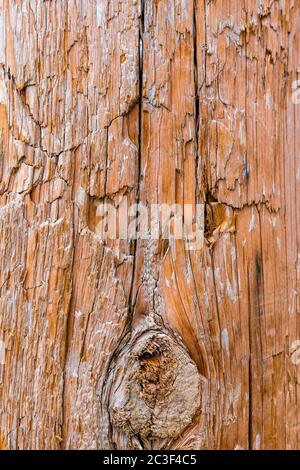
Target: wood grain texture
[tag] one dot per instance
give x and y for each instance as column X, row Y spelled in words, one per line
column 133, row 344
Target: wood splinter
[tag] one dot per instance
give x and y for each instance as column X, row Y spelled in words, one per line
column 220, row 218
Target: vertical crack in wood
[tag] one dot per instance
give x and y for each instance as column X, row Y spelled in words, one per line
column 197, row 100
column 125, row 337
column 140, row 135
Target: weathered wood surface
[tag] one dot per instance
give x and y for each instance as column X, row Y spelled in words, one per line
column 122, row 344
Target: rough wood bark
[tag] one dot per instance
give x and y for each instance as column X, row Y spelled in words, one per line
column 123, row 344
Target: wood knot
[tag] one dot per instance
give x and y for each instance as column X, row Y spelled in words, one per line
column 156, row 371
column 156, row 389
